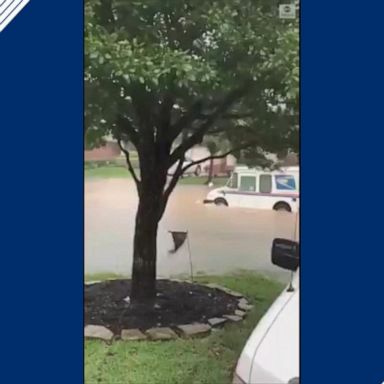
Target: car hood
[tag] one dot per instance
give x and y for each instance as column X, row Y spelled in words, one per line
column 217, row 191
column 271, row 355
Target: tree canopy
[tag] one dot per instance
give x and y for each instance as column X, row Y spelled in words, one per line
column 190, row 63
column 164, row 74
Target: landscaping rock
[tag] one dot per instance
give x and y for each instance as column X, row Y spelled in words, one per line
column 226, row 290
column 216, row 321
column 234, row 293
column 244, row 306
column 194, row 330
column 132, row 335
column 240, row 313
column 243, row 301
column 233, row 318
column 98, row 332
column 161, row 333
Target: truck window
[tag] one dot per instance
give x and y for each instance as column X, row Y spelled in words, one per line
column 234, row 181
column 265, row 183
column 285, row 182
column 248, row 183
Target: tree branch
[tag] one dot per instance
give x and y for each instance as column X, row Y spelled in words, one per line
column 165, row 114
column 198, row 135
column 126, row 126
column 129, row 163
column 171, row 186
column 192, row 114
column 230, row 116
column 221, row 156
column 143, row 102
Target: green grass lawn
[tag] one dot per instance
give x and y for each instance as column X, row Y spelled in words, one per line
column 106, row 172
column 217, row 181
column 200, row 361
column 109, row 172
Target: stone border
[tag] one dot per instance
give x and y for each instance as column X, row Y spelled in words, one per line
column 185, row 331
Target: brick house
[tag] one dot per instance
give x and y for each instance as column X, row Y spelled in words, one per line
column 109, row 152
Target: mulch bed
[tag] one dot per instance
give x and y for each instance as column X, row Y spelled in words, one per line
column 176, row 303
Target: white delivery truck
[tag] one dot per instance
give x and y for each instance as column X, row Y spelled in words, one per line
column 256, row 188
column 271, row 354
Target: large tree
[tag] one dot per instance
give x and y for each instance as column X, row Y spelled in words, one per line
column 163, row 74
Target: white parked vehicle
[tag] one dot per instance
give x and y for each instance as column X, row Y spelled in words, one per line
column 256, row 188
column 271, row 354
column 194, row 170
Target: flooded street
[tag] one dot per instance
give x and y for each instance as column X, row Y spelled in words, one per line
column 221, row 239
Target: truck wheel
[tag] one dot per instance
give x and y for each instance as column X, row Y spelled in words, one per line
column 221, row 202
column 281, row 206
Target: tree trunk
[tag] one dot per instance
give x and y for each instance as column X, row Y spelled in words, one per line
column 153, row 174
column 145, row 249
column 210, row 172
column 154, row 157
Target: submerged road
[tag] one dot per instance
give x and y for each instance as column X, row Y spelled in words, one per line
column 222, row 239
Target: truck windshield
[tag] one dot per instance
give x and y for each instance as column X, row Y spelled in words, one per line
column 233, row 181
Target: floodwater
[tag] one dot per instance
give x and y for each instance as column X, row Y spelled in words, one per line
column 221, row 239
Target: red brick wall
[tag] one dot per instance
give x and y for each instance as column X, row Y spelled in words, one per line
column 108, row 152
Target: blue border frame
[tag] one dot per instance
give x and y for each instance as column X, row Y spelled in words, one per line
column 41, row 74
column 342, row 321
column 41, row 99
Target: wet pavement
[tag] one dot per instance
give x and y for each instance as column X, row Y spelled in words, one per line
column 222, row 239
